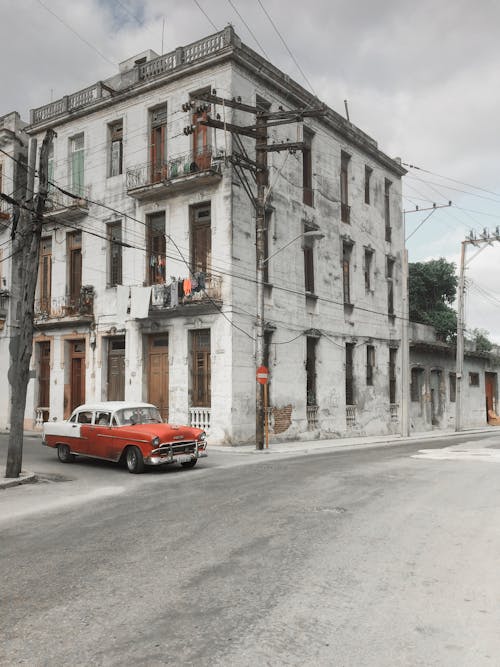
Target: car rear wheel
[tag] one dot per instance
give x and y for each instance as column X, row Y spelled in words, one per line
column 189, row 464
column 134, row 460
column 64, row 455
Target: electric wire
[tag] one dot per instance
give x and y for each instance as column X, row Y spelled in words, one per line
column 206, row 15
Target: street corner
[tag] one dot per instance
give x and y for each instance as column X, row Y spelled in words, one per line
column 25, row 477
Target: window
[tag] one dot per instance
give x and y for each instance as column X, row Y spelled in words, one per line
column 77, row 164
column 200, row 368
column 390, row 286
column 370, row 364
column 349, row 374
column 74, row 241
column 452, row 378
column 158, row 143
column 115, row 253
column 307, row 192
column 311, row 370
column 156, row 248
column 201, row 238
column 45, row 274
column 344, row 187
column 393, row 353
column 308, row 249
column 368, row 174
column 416, row 384
column 202, row 153
column 346, row 271
column 368, row 268
column 116, row 148
column 387, row 209
column 474, row 379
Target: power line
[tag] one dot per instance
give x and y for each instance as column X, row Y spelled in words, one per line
column 206, row 15
column 249, row 29
column 448, row 178
column 66, row 25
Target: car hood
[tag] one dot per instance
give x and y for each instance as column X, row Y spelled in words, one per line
column 166, row 432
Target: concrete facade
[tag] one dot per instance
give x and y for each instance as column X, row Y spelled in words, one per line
column 432, row 398
column 341, row 321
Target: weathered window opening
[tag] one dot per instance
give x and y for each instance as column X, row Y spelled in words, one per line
column 345, row 213
column 115, row 253
column 370, row 364
column 200, row 368
column 349, row 374
column 156, row 248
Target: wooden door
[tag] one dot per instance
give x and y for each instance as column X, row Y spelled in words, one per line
column 44, row 378
column 490, row 383
column 158, row 373
column 116, row 369
column 77, row 380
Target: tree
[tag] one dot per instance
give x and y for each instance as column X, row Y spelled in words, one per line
column 432, row 290
column 480, row 338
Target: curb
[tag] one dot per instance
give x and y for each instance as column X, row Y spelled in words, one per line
column 25, row 477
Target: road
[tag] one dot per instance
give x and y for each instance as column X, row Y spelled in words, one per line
column 350, row 558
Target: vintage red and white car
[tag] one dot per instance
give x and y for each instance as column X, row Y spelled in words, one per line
column 120, row 431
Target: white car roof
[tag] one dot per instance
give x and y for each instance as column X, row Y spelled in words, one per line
column 111, row 406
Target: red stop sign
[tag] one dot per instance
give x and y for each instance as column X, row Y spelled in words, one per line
column 262, row 375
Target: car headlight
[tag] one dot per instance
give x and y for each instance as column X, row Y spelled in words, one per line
column 155, row 441
column 202, row 436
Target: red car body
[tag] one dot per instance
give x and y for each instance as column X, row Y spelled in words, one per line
column 124, row 431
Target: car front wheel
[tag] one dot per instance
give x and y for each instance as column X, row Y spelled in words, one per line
column 134, row 460
column 64, row 455
column 189, row 464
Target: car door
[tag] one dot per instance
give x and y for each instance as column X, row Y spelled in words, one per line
column 104, row 436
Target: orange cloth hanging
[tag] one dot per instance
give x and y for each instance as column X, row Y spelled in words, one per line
column 187, row 286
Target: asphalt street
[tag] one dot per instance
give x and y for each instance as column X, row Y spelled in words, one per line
column 380, row 556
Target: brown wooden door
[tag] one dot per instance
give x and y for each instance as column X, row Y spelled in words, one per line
column 116, row 369
column 158, row 373
column 44, row 379
column 490, row 383
column 77, row 380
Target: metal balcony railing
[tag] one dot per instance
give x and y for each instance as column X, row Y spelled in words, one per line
column 206, row 287
column 58, row 201
column 394, row 412
column 350, row 415
column 66, row 306
column 312, row 417
column 187, row 164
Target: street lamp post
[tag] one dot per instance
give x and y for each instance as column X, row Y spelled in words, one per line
column 259, row 352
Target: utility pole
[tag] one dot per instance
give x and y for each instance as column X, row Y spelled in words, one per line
column 484, row 240
column 25, row 257
column 257, row 131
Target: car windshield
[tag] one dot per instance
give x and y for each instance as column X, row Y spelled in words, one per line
column 138, row 415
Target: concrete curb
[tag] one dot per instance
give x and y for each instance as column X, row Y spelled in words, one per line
column 25, row 477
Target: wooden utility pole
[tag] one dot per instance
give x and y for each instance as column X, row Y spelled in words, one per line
column 25, row 257
column 258, row 131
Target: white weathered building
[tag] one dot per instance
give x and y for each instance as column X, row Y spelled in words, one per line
column 138, row 207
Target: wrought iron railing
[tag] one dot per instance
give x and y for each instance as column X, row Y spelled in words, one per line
column 200, row 418
column 312, row 417
column 4, row 303
column 350, row 415
column 204, row 287
column 394, row 412
column 57, row 200
column 65, row 306
column 147, row 174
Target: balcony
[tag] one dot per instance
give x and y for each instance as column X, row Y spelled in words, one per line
column 61, row 206
column 312, row 417
column 185, row 172
column 170, row 299
column 350, row 416
column 65, row 310
column 4, row 307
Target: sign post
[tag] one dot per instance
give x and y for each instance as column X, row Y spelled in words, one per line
column 262, row 378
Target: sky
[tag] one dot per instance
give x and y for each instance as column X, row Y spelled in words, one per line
column 420, row 78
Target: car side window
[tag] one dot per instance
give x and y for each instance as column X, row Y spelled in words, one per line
column 114, row 421
column 103, row 418
column 84, row 417
column 73, row 418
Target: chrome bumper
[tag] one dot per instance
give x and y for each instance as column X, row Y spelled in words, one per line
column 167, row 455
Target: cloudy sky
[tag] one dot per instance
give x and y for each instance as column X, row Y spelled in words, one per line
column 421, row 78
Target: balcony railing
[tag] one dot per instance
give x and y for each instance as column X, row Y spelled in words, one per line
column 5, row 211
column 200, row 418
column 4, row 303
column 59, row 203
column 312, row 417
column 204, row 288
column 394, row 412
column 350, row 415
column 66, row 306
column 174, row 174
column 198, row 50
